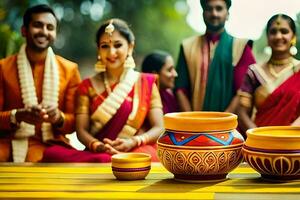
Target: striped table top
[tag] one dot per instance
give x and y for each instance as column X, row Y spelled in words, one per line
column 96, row 181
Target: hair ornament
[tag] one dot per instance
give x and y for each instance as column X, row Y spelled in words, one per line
column 109, row 29
column 279, row 20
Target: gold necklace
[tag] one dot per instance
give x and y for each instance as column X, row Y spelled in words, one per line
column 278, row 74
column 106, row 83
column 281, row 62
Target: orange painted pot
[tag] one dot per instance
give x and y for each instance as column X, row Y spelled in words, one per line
column 274, row 152
column 200, row 146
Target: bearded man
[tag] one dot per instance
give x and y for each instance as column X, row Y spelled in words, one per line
column 37, row 90
column 211, row 67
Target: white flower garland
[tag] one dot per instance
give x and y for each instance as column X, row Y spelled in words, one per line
column 113, row 101
column 28, row 91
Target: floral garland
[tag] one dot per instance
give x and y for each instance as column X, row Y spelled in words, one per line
column 50, row 97
column 113, row 101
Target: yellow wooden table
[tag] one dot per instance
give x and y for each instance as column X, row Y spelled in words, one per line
column 96, row 181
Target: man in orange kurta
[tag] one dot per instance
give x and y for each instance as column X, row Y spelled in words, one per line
column 39, row 30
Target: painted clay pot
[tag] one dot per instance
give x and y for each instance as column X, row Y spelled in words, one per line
column 274, row 152
column 131, row 166
column 200, row 146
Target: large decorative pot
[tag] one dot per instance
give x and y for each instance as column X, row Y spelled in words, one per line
column 274, row 152
column 200, row 146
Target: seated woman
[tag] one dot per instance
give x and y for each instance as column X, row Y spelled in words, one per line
column 273, row 87
column 116, row 105
column 162, row 63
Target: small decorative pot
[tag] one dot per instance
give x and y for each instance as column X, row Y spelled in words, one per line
column 131, row 166
column 274, row 152
column 200, row 146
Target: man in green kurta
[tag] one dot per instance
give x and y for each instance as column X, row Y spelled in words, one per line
column 211, row 66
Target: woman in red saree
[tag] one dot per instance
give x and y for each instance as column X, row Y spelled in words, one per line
column 272, row 90
column 118, row 109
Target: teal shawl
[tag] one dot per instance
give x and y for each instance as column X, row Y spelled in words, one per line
column 219, row 89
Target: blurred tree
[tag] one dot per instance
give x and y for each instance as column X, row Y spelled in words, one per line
column 156, row 24
column 10, row 40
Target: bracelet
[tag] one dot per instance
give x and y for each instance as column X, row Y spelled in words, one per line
column 141, row 139
column 13, row 119
column 144, row 138
column 138, row 140
column 95, row 146
column 91, row 144
column 61, row 120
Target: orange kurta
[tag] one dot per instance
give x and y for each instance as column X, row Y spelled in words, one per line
column 10, row 98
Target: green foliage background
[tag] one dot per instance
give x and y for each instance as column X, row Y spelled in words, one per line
column 157, row 24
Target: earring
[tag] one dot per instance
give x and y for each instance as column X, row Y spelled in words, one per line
column 293, row 48
column 268, row 50
column 129, row 62
column 99, row 66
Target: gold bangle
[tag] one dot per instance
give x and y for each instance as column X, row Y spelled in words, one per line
column 63, row 117
column 90, row 146
column 13, row 119
column 60, row 122
column 95, row 145
column 138, row 140
column 144, row 138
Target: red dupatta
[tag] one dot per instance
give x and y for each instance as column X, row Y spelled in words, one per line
column 282, row 107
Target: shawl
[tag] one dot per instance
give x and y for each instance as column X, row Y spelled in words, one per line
column 28, row 91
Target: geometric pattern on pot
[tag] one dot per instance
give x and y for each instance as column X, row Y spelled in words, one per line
column 200, row 139
column 216, row 139
column 200, row 162
column 284, row 165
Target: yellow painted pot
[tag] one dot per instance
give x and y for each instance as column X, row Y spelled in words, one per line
column 274, row 152
column 131, row 166
column 200, row 146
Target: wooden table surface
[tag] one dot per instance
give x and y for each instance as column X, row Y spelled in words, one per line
column 96, row 181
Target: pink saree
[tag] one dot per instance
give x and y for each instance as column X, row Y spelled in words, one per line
column 114, row 126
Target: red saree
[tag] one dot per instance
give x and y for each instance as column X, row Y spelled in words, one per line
column 114, row 126
column 282, row 107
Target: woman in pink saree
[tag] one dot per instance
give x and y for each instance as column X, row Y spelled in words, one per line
column 118, row 109
column 272, row 89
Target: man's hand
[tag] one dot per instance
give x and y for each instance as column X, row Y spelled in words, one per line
column 52, row 115
column 32, row 115
column 38, row 114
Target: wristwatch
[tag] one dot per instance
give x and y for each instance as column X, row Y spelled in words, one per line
column 13, row 118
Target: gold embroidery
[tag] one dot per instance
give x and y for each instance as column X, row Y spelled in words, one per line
column 92, row 92
column 245, row 99
column 83, row 103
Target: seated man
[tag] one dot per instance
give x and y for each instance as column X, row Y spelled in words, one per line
column 37, row 98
